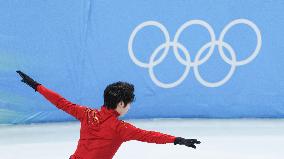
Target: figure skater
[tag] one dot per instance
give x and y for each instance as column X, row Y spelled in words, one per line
column 102, row 133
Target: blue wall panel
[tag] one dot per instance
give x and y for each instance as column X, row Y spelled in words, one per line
column 186, row 58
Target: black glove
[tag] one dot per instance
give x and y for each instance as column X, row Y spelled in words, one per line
column 29, row 81
column 186, row 142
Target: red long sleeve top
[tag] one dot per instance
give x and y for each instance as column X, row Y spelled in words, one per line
column 101, row 132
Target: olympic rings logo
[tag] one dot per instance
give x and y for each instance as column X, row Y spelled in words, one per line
column 187, row 62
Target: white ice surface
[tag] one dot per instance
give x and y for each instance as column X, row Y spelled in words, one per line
column 221, row 139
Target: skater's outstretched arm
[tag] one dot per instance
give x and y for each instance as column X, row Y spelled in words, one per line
column 129, row 132
column 56, row 99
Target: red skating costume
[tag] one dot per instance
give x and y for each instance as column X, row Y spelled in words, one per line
column 101, row 132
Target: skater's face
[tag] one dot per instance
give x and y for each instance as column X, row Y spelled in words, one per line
column 122, row 109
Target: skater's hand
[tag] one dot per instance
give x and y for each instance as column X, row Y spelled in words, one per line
column 186, row 142
column 29, row 81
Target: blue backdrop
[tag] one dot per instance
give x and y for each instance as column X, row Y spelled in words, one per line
column 165, row 48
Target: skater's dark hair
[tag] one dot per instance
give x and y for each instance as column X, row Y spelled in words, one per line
column 117, row 92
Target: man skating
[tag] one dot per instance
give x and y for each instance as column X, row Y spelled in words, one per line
column 102, row 133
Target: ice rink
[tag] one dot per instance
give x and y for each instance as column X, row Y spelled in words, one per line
column 221, row 139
